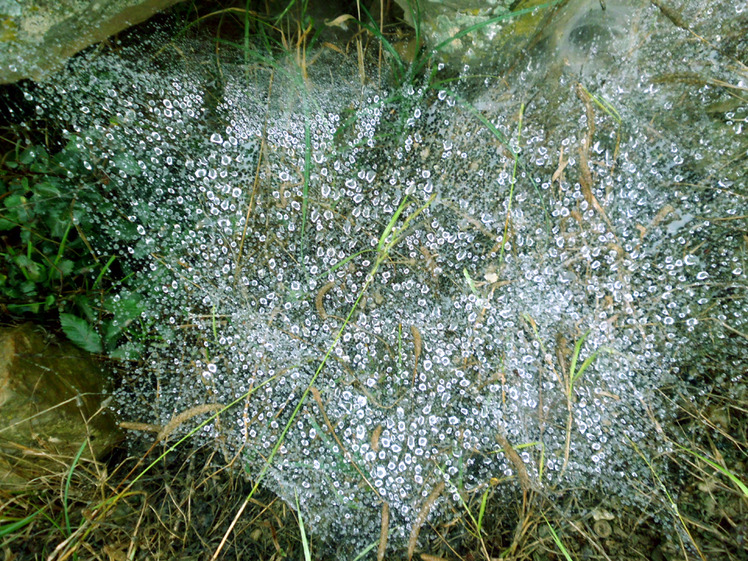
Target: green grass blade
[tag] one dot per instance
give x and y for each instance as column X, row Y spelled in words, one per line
column 605, row 105
column 400, row 233
column 362, row 555
column 585, row 364
column 470, row 282
column 304, row 540
column 391, row 224
column 66, row 492
column 61, row 249
column 342, row 263
column 103, row 271
column 8, row 529
column 486, row 123
column 558, row 541
column 482, row 511
column 575, row 357
column 727, row 473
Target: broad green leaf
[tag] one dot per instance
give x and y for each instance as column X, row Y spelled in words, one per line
column 127, row 163
column 128, row 351
column 64, row 267
column 81, row 333
column 47, row 190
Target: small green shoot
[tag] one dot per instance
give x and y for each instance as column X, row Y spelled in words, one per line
column 558, row 541
column 470, row 282
column 482, row 510
column 103, row 271
column 476, row 524
column 575, row 374
column 8, row 529
column 727, row 473
column 302, row 531
column 65, row 510
column 368, row 548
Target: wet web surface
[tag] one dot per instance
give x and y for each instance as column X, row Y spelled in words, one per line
column 251, row 209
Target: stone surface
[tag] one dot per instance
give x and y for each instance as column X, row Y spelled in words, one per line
column 50, row 403
column 440, row 21
column 37, row 36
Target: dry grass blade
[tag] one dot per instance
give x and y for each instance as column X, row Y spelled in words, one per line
column 185, row 416
column 319, row 300
column 585, row 179
column 422, row 516
column 382, row 549
column 519, row 466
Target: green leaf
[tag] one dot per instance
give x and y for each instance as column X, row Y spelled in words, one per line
column 17, row 524
column 84, row 305
column 47, row 190
column 81, row 333
column 127, row 163
column 127, row 351
column 64, row 267
column 28, row 155
column 28, row 288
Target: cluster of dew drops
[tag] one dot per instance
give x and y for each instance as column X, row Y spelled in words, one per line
column 254, row 225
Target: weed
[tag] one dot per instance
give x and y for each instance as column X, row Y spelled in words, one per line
column 557, row 540
column 280, row 47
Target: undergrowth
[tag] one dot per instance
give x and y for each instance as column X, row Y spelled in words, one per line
column 171, row 501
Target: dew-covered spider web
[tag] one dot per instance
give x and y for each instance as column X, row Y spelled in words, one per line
column 572, row 247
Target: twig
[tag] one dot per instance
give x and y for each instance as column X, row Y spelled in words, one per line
column 421, row 518
column 585, row 179
column 417, row 348
column 519, row 466
column 384, row 532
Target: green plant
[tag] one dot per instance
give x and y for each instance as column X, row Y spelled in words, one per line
column 557, row 540
column 47, row 266
column 43, row 254
column 410, row 73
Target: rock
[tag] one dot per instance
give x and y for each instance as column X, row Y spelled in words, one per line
column 38, row 36
column 50, row 403
column 441, row 20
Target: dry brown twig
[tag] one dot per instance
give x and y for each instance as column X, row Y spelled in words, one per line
column 422, row 516
column 384, row 532
column 585, row 178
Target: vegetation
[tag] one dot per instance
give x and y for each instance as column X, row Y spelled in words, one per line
column 172, row 501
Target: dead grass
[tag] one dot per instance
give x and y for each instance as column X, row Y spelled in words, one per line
column 184, row 507
column 187, row 505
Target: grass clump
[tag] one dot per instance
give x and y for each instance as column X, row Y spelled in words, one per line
column 388, row 256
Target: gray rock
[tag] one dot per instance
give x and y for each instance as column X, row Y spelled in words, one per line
column 51, row 397
column 496, row 36
column 38, row 36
